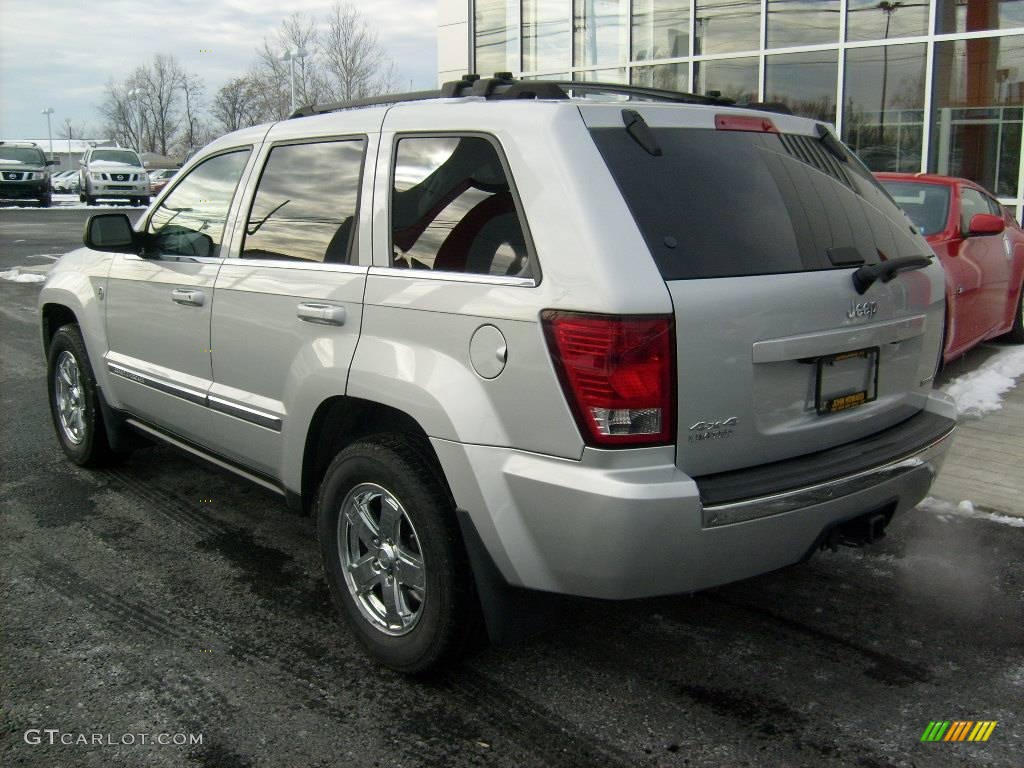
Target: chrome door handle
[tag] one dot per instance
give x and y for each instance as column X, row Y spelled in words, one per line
column 188, row 296
column 324, row 314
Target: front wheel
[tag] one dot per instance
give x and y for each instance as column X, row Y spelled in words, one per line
column 90, row 200
column 393, row 556
column 1016, row 334
column 74, row 400
column 46, row 201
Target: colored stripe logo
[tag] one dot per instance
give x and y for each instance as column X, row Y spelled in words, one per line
column 958, row 730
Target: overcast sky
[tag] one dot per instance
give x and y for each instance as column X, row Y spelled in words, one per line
column 61, row 53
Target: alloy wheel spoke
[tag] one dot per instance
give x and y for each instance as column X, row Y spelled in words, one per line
column 410, row 570
column 65, row 376
column 363, row 574
column 390, row 518
column 392, row 600
column 363, row 523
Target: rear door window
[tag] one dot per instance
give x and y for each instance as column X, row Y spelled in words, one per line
column 454, row 210
column 720, row 203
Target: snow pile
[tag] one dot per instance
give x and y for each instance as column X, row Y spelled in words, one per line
column 15, row 276
column 947, row 510
column 981, row 391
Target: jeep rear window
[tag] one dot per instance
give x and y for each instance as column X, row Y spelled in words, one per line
column 719, row 203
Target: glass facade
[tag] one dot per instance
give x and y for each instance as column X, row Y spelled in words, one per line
column 911, row 85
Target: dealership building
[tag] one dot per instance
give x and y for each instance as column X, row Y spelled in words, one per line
column 920, row 85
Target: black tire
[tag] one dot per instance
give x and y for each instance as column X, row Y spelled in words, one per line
column 93, row 449
column 45, row 202
column 81, row 197
column 90, row 200
column 145, row 200
column 1016, row 334
column 449, row 612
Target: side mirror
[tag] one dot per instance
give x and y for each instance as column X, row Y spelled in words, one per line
column 110, row 232
column 986, row 224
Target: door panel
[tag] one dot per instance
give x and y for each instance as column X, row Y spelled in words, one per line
column 158, row 305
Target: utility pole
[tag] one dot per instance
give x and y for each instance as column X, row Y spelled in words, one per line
column 290, row 57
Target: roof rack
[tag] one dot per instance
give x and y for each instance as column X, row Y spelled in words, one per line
column 504, row 86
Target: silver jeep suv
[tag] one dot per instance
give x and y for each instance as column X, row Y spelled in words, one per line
column 111, row 172
column 508, row 341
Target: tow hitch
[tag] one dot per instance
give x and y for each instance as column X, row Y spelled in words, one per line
column 866, row 529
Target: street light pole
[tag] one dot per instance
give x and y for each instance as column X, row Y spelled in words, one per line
column 49, row 133
column 290, row 57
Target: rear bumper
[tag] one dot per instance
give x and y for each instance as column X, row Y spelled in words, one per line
column 629, row 524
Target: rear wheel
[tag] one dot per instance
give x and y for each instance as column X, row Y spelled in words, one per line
column 1016, row 334
column 74, row 400
column 45, row 201
column 393, row 555
column 90, row 200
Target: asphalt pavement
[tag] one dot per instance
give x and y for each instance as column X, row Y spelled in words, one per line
column 160, row 598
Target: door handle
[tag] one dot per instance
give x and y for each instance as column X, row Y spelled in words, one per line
column 324, row 314
column 189, row 296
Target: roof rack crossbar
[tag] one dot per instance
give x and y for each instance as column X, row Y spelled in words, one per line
column 654, row 94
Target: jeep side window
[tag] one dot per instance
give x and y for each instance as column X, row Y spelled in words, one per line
column 190, row 220
column 452, row 209
column 305, row 204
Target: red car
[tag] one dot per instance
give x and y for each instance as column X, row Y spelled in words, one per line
column 981, row 247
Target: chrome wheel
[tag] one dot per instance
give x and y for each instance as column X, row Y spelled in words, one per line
column 382, row 559
column 70, row 398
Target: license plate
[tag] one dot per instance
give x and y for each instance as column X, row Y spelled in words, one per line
column 846, row 380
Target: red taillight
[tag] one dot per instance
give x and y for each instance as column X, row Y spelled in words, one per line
column 744, row 123
column 618, row 374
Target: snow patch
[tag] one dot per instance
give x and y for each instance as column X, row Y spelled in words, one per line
column 15, row 276
column 946, row 511
column 981, row 391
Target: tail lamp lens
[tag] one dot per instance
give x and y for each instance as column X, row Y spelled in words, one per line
column 618, row 375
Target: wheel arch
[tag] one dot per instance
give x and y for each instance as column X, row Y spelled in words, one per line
column 341, row 420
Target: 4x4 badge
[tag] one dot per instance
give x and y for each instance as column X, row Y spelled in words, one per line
column 703, row 426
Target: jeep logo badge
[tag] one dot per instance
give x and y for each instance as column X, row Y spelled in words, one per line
column 862, row 309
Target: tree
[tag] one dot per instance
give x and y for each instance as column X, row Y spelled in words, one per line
column 271, row 75
column 357, row 64
column 236, row 105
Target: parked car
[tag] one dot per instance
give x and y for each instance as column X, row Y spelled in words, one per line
column 505, row 341
column 113, row 173
column 981, row 247
column 160, row 177
column 65, row 182
column 25, row 172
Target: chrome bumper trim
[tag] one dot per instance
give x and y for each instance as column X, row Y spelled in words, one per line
column 718, row 515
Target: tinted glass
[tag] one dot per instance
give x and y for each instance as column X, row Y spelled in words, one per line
column 873, row 20
column 115, row 156
column 452, row 209
column 660, row 29
column 976, row 119
column 497, row 39
column 729, row 203
column 927, row 205
column 671, row 77
column 732, row 78
column 602, row 32
column 22, row 155
column 802, row 22
column 547, row 40
column 723, row 26
column 978, row 15
column 884, row 103
column 190, row 220
column 805, row 82
column 305, row 204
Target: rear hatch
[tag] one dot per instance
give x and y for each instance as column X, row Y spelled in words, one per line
column 757, row 223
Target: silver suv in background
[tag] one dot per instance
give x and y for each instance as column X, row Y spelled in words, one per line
column 113, row 173
column 503, row 341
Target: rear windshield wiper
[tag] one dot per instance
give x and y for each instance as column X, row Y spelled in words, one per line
column 865, row 277
column 641, row 132
column 832, row 144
